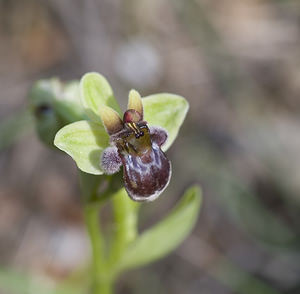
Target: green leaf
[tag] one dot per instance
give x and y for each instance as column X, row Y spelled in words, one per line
column 96, row 91
column 167, row 111
column 164, row 237
column 84, row 141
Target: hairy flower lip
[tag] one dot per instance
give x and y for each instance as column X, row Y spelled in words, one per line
column 146, row 176
column 154, row 196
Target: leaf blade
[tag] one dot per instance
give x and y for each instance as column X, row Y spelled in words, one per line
column 167, row 111
column 153, row 244
column 84, row 141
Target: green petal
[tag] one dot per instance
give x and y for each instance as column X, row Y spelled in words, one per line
column 96, row 91
column 164, row 237
column 167, row 111
column 84, row 141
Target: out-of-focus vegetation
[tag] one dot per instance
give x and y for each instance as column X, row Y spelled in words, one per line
column 237, row 63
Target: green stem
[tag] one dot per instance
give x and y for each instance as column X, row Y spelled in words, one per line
column 102, row 282
column 125, row 219
column 91, row 214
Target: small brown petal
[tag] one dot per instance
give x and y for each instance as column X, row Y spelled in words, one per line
column 135, row 102
column 111, row 120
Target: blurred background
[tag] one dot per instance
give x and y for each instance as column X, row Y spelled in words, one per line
column 238, row 65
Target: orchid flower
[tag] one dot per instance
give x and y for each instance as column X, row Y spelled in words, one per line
column 137, row 142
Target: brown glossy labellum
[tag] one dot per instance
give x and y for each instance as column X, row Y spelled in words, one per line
column 146, row 169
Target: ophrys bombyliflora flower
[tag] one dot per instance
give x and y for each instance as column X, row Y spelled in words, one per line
column 136, row 146
column 104, row 139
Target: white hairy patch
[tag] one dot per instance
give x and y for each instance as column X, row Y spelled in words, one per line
column 110, row 160
column 158, row 134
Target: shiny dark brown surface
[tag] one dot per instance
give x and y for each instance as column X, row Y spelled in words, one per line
column 146, row 169
column 146, row 176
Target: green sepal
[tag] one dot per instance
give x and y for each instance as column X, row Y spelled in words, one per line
column 84, row 141
column 167, row 111
column 95, row 91
column 164, row 237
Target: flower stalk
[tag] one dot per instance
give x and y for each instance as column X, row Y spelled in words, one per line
column 99, row 274
column 125, row 230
